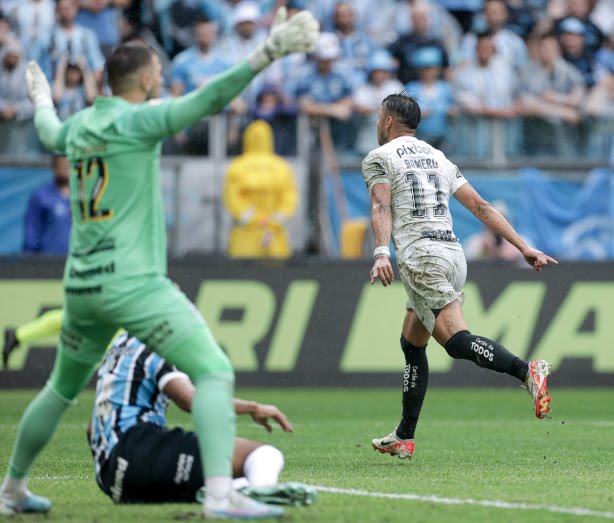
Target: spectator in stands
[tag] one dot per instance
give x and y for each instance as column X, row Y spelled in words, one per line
column 487, row 245
column 367, row 14
column 487, row 87
column 571, row 39
column 356, row 47
column 404, row 48
column 16, row 111
column 552, row 88
column 600, row 102
column 442, row 25
column 6, row 36
column 74, row 87
column 522, row 15
column 274, row 108
column 33, row 21
column 71, row 41
column 581, row 10
column 195, row 66
column 368, row 97
column 326, row 92
column 246, row 34
column 191, row 69
column 260, row 193
column 507, row 44
column 434, row 95
column 47, row 219
column 463, row 10
column 130, row 31
column 221, row 12
column 103, row 18
column 487, row 91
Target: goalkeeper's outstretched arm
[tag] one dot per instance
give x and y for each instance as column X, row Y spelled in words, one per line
column 296, row 34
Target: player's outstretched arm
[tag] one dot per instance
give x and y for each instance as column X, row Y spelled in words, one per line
column 497, row 223
column 288, row 35
column 48, row 126
column 381, row 220
column 181, row 390
column 261, row 414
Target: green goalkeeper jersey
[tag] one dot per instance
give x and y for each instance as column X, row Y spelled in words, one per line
column 116, row 200
column 115, row 195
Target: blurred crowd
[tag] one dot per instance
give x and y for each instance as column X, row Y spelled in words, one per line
column 542, row 69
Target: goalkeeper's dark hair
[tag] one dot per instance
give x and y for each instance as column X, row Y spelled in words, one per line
column 404, row 108
column 125, row 60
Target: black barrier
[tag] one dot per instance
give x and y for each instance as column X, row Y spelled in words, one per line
column 310, row 324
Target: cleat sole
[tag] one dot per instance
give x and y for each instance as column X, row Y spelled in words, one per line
column 401, row 455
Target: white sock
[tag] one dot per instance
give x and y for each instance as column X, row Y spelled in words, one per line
column 263, row 466
column 239, row 483
column 14, row 488
column 217, row 487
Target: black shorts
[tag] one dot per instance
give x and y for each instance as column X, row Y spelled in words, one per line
column 151, row 464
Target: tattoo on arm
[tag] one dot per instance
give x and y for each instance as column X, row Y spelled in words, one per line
column 481, row 212
column 381, row 216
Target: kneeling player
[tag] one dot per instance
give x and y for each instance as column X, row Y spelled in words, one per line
column 139, row 460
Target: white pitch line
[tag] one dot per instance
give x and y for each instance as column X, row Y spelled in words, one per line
column 59, row 478
column 575, row 511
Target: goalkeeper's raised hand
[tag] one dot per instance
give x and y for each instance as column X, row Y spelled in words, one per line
column 297, row 34
column 39, row 89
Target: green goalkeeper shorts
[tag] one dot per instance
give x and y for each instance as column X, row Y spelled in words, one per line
column 152, row 309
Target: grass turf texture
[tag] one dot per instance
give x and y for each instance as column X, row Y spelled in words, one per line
column 480, row 444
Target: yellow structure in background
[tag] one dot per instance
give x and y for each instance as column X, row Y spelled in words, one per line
column 260, row 193
column 353, row 238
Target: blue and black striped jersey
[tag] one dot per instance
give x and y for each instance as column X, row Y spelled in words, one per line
column 129, row 391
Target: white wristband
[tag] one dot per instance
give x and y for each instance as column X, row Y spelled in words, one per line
column 381, row 251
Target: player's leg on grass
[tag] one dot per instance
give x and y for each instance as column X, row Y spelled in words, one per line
column 260, row 466
column 414, row 339
column 37, row 426
column 47, row 324
column 452, row 332
column 161, row 315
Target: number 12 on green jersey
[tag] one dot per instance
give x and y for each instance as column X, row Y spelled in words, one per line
column 90, row 194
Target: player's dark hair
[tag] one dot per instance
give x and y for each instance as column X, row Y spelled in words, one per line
column 404, row 108
column 125, row 60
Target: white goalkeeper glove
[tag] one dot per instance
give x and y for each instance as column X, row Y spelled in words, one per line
column 297, row 34
column 38, row 86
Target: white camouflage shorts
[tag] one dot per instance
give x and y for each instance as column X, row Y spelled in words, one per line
column 434, row 274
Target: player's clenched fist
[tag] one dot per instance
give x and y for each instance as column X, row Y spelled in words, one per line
column 297, row 34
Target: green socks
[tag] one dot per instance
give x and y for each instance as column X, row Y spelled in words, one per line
column 215, row 421
column 37, row 426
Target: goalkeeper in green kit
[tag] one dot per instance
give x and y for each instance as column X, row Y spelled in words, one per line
column 115, row 274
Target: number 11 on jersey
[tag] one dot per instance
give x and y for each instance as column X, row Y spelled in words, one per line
column 89, row 200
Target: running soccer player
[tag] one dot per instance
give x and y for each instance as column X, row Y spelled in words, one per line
column 410, row 184
column 115, row 274
column 139, row 460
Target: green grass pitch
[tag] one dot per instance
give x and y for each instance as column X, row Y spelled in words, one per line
column 477, row 444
